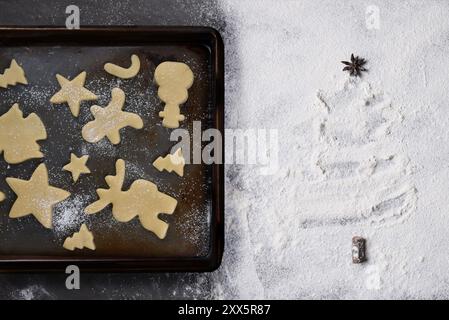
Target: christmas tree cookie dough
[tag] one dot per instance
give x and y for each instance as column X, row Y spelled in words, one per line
column 72, row 92
column 171, row 162
column 12, row 75
column 18, row 135
column 36, row 196
column 124, row 73
column 109, row 120
column 77, row 166
column 82, row 239
column 142, row 199
column 173, row 79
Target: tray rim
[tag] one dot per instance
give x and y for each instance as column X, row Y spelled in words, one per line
column 207, row 263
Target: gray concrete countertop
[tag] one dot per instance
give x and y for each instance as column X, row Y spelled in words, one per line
column 356, row 156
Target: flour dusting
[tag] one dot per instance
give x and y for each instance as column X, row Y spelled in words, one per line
column 69, row 215
column 358, row 157
column 355, row 173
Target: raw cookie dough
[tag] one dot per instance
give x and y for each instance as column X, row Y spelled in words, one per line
column 109, row 120
column 171, row 162
column 124, row 73
column 77, row 166
column 36, row 196
column 12, row 75
column 2, row 196
column 18, row 135
column 73, row 92
column 173, row 79
column 82, row 239
column 142, row 199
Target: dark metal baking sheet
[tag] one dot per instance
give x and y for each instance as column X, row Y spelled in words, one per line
column 195, row 238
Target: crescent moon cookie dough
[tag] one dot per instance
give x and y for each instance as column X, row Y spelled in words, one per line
column 124, row 73
column 109, row 120
column 12, row 75
column 77, row 166
column 18, row 135
column 72, row 92
column 171, row 162
column 173, row 79
column 36, row 196
column 142, row 199
column 79, row 240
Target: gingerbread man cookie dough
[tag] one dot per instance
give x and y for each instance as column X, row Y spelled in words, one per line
column 109, row 120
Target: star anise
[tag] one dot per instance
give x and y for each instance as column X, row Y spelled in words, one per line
column 355, row 67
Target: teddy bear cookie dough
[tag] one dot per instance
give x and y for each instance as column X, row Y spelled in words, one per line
column 109, row 120
column 77, row 166
column 82, row 239
column 12, row 75
column 18, row 135
column 171, row 162
column 73, row 92
column 173, row 79
column 36, row 196
column 124, row 73
column 142, row 199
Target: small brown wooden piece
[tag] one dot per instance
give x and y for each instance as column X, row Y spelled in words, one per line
column 358, row 250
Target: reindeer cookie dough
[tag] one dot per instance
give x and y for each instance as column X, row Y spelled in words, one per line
column 73, row 92
column 124, row 73
column 109, row 120
column 36, row 196
column 18, row 135
column 12, row 75
column 142, row 199
column 171, row 162
column 173, row 79
column 82, row 239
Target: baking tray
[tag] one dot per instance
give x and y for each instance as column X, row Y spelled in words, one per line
column 195, row 238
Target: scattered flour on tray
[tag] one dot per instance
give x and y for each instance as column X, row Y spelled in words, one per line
column 69, row 214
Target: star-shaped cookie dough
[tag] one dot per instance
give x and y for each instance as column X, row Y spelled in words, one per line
column 36, row 197
column 77, row 166
column 73, row 92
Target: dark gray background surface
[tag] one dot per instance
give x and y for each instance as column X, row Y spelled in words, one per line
column 107, row 12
